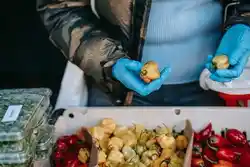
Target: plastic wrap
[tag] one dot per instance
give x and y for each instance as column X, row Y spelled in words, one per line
column 44, row 142
column 20, row 114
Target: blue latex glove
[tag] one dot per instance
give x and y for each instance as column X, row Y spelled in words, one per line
column 236, row 45
column 128, row 72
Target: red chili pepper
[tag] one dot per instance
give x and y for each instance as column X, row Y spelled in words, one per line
column 227, row 154
column 197, row 149
column 73, row 140
column 73, row 163
column 58, row 155
column 83, row 165
column 218, row 165
column 245, row 159
column 197, row 137
column 81, row 133
column 209, row 156
column 63, row 138
column 235, row 137
column 238, row 150
column 237, row 165
column 71, row 155
column 204, row 134
column 62, row 146
column 217, row 141
column 223, row 163
column 197, row 162
column 58, row 163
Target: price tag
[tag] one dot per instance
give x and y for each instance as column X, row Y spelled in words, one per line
column 12, row 113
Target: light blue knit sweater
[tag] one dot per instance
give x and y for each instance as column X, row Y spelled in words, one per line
column 181, row 34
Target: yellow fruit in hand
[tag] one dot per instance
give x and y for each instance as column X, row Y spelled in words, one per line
column 150, row 72
column 220, row 62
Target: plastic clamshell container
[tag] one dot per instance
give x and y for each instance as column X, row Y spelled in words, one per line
column 19, row 145
column 32, row 111
column 26, row 164
column 39, row 91
column 45, row 142
column 45, row 137
column 18, row 157
column 16, row 146
column 40, row 138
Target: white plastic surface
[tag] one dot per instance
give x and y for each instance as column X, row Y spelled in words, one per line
column 73, row 91
column 238, row 86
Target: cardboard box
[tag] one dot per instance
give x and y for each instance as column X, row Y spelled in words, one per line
column 221, row 117
column 83, row 118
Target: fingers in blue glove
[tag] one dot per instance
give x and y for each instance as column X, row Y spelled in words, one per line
column 156, row 84
column 226, row 75
column 236, row 56
column 209, row 64
column 236, row 37
column 217, row 78
column 234, row 44
column 134, row 66
column 145, row 89
column 127, row 72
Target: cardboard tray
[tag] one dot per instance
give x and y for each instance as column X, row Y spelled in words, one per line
column 221, row 117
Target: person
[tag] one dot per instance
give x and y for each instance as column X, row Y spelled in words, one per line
column 110, row 40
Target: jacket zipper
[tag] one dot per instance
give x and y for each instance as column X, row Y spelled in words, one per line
column 132, row 29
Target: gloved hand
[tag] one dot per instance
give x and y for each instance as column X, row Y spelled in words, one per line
column 236, row 45
column 128, row 72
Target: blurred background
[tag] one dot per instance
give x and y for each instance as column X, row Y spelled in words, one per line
column 28, row 59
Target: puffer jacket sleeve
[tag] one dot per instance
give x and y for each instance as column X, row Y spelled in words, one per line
column 236, row 12
column 77, row 32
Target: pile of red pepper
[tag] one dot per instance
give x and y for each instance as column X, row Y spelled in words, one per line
column 66, row 152
column 230, row 149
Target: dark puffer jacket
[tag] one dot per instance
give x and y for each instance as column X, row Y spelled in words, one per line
column 93, row 34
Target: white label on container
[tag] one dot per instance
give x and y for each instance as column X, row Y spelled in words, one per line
column 12, row 113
